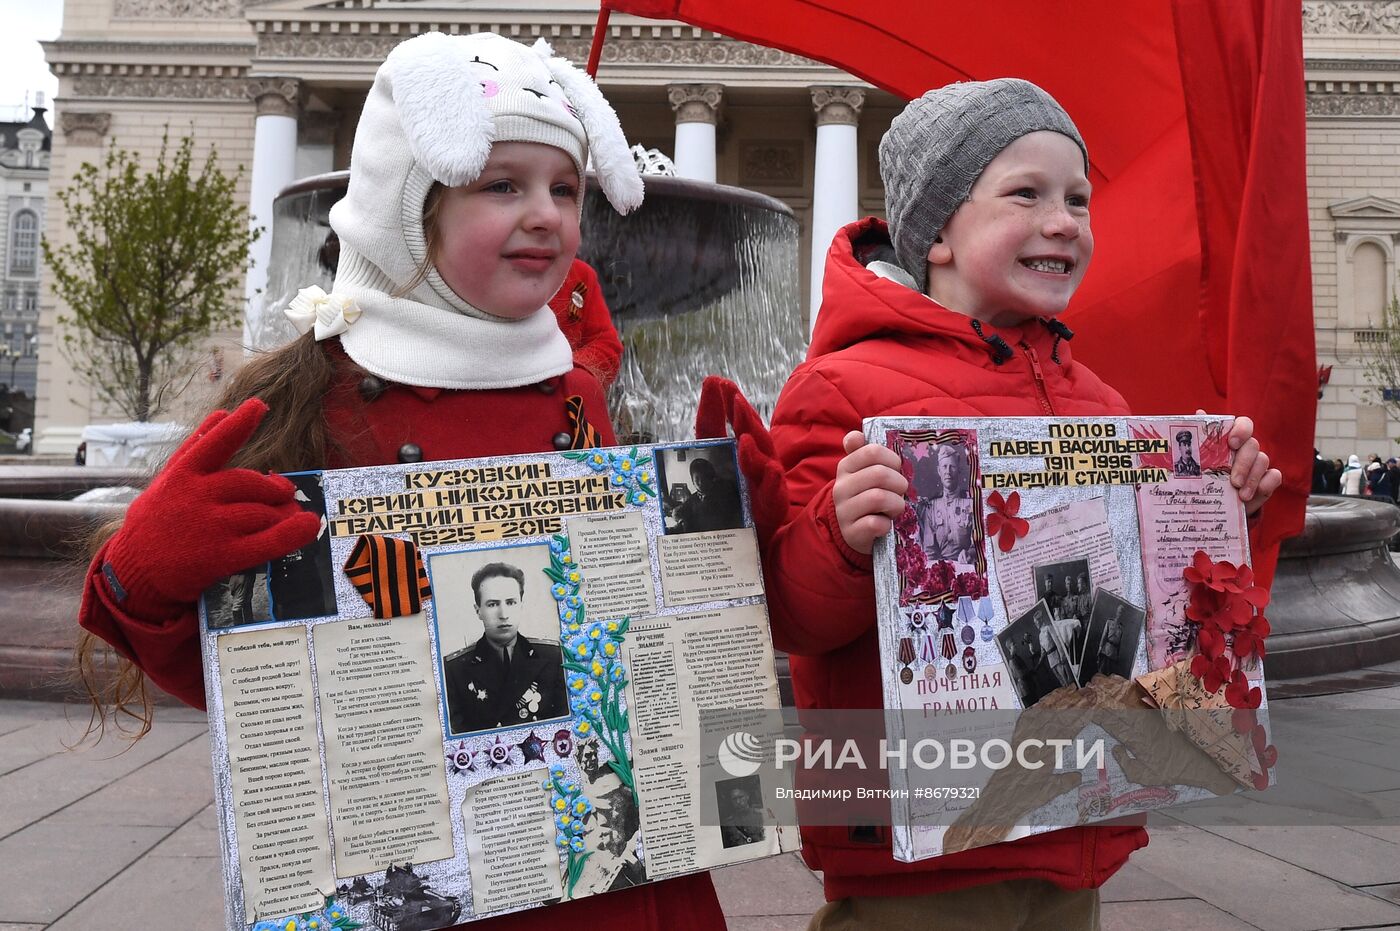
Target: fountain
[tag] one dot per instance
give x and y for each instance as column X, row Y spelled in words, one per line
column 701, row 280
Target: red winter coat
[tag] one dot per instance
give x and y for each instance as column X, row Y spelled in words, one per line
column 584, row 317
column 881, row 349
column 445, row 425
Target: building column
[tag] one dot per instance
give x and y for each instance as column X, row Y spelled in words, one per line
column 274, row 167
column 697, row 113
column 835, row 182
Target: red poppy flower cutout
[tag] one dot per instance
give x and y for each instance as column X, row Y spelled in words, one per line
column 1242, row 720
column 1249, row 639
column 1213, row 673
column 1239, row 694
column 1213, row 575
column 1002, row 521
column 1211, row 642
column 1223, row 611
column 1242, row 584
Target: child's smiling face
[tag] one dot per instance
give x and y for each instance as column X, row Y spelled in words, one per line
column 507, row 239
column 1018, row 247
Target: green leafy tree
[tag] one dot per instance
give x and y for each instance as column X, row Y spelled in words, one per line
column 1381, row 354
column 151, row 271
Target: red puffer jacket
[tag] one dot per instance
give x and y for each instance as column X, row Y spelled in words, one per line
column 375, row 421
column 881, row 349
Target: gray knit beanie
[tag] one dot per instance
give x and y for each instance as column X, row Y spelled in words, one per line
column 939, row 144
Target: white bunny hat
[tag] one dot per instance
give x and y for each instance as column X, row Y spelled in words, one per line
column 437, row 105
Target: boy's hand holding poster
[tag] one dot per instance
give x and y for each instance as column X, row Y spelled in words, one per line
column 476, row 690
column 1070, row 601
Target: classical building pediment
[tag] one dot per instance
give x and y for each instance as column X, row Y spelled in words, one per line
column 1366, row 208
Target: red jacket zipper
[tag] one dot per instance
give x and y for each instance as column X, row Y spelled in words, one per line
column 1039, row 378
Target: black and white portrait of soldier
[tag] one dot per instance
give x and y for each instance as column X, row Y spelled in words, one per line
column 1185, row 462
column 1114, row 631
column 494, row 606
column 740, row 805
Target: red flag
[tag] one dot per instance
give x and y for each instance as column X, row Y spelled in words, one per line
column 1200, row 292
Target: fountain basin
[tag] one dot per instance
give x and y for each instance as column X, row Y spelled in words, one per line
column 1336, row 595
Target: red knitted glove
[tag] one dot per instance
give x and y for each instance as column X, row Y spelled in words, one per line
column 721, row 404
column 200, row 522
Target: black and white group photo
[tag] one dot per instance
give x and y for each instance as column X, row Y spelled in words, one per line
column 498, row 638
column 1066, row 590
column 1036, row 658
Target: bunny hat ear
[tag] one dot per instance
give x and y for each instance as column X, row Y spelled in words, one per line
column 441, row 107
column 617, row 170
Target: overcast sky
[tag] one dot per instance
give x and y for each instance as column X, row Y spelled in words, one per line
column 22, row 67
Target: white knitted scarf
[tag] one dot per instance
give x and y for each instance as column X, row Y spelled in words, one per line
column 414, row 343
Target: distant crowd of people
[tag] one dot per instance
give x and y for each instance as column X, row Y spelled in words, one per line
column 1376, row 479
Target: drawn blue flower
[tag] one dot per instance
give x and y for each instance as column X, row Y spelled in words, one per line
column 638, row 497
column 618, row 673
column 560, row 591
column 598, row 462
column 583, row 729
column 577, row 845
column 561, row 841
column 573, row 602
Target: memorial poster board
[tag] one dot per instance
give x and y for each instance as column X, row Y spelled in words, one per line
column 1043, row 563
column 476, row 691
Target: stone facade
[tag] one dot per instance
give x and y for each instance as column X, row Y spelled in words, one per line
column 129, row 67
column 25, row 148
column 1352, row 64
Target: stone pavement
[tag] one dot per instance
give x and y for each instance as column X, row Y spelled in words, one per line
column 115, row 837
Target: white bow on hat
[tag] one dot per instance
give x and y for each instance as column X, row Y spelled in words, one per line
column 329, row 314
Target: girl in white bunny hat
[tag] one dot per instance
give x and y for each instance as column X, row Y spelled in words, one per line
column 436, row 342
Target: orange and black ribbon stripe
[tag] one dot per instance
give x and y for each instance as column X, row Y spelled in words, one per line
column 388, row 574
column 585, row 436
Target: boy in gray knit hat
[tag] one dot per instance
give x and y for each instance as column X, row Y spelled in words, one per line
column 949, row 311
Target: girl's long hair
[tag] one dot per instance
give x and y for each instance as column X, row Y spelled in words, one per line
column 293, row 382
